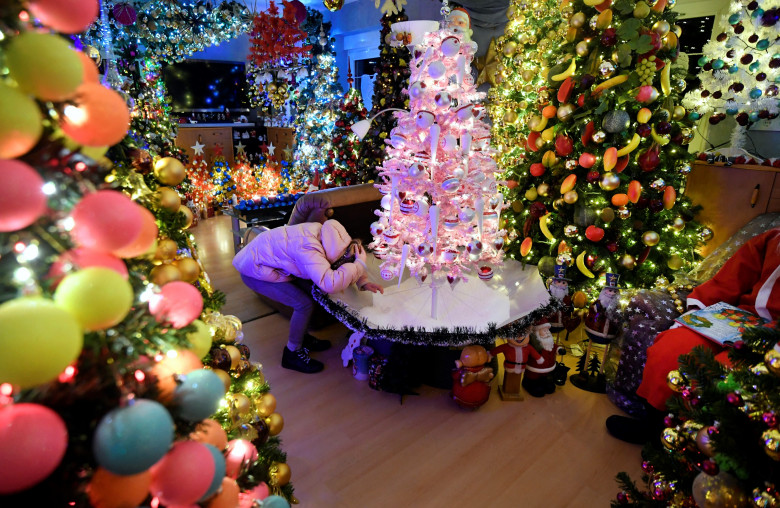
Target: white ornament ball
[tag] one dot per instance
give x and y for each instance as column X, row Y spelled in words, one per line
column 450, row 46
column 436, row 70
column 424, row 119
column 385, row 201
column 458, row 173
column 450, row 185
column 416, row 170
column 398, row 141
column 377, row 228
column 443, row 99
column 466, row 214
column 421, row 209
column 474, row 247
column 451, row 222
column 391, row 236
column 417, row 89
column 424, row 250
column 465, row 112
column 386, row 273
column 449, row 142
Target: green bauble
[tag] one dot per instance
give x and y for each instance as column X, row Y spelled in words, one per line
column 584, row 216
column 616, row 121
column 546, row 266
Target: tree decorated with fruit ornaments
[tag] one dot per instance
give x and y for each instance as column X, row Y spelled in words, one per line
column 342, row 168
column 100, row 370
column 721, row 444
column 605, row 163
column 392, row 76
column 441, row 208
column 740, row 69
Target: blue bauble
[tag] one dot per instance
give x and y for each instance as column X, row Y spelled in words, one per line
column 733, row 69
column 197, row 397
column 734, row 19
column 718, row 63
column 762, row 44
column 264, row 200
column 753, row 115
column 757, row 13
column 275, row 502
column 129, row 440
column 754, row 66
column 732, row 111
column 219, row 471
column 755, row 93
column 694, row 115
column 703, row 61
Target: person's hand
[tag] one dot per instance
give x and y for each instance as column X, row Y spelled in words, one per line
column 360, row 255
column 370, row 286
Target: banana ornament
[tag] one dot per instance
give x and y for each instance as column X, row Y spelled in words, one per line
column 666, row 79
column 581, row 266
column 617, row 80
column 593, row 3
column 568, row 72
column 630, row 147
column 541, row 125
column 543, row 226
column 661, row 140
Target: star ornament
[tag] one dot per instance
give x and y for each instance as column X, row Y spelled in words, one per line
column 240, row 147
column 198, row 148
column 218, row 149
column 487, row 65
column 271, row 148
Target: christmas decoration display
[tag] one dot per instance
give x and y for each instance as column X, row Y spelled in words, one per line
column 199, row 176
column 222, row 177
column 441, row 208
column 244, row 175
column 518, row 353
column 721, row 446
column 278, row 40
column 392, row 75
column 470, row 388
column 314, row 128
column 599, row 185
column 342, row 167
column 101, row 288
column 739, row 75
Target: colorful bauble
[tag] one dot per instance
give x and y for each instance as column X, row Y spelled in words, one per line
column 44, row 65
column 20, row 123
column 109, row 490
column 97, row 297
column 106, row 220
column 144, row 242
column 67, row 16
column 771, row 440
column 198, row 394
column 178, row 303
column 239, row 456
column 22, row 200
column 99, row 117
column 210, row 432
column 772, row 360
column 717, row 491
column 38, row 339
column 169, row 171
column 184, row 475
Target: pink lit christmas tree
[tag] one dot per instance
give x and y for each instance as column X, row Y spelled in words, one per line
column 441, row 208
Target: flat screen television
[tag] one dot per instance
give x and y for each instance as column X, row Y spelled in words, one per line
column 206, row 85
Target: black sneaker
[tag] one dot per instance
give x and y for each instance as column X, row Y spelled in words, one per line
column 301, row 361
column 314, row 344
column 630, row 430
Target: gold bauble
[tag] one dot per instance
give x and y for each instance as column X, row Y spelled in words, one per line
column 280, row 474
column 166, row 250
column 275, row 423
column 627, row 261
column 224, row 377
column 531, row 194
column 691, row 428
column 671, row 439
column 609, row 181
column 678, row 113
column 607, row 215
column 163, row 274
column 674, row 262
column 706, row 234
column 169, row 171
column 333, row 5
column 189, row 268
column 623, row 213
column 510, row 116
column 240, row 402
column 577, row 20
column 265, row 405
column 582, row 48
column 650, row 238
column 558, row 204
column 235, row 356
column 188, row 216
column 772, row 360
column 564, row 112
column 534, row 122
column 571, row 197
column 675, row 381
column 678, row 224
column 771, row 439
column 718, row 491
column 168, row 198
column 543, row 189
column 704, row 443
column 517, row 206
column 509, row 48
column 661, row 27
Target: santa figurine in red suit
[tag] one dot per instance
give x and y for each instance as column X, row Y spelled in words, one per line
column 538, row 379
column 518, row 352
column 470, row 388
column 749, row 280
column 600, row 330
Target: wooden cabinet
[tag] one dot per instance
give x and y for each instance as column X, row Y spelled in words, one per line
column 281, row 137
column 731, row 196
column 209, row 136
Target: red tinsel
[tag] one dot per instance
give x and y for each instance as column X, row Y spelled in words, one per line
column 277, row 39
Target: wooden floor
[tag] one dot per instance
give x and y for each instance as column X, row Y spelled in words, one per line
column 350, row 446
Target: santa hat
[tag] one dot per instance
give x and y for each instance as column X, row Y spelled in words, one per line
column 464, row 11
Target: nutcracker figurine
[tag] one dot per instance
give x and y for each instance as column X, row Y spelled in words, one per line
column 601, row 330
column 559, row 289
column 470, row 388
column 517, row 353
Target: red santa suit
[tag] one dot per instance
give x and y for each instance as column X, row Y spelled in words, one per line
column 516, row 357
column 749, row 280
column 547, row 354
column 598, row 327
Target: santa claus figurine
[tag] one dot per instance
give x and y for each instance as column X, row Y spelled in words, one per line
column 459, row 22
column 470, row 388
column 517, row 353
column 538, row 380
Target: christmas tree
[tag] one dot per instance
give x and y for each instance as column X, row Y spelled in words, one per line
column 222, row 178
column 601, row 182
column 740, row 65
column 314, row 129
column 392, row 75
column 342, row 168
column 247, row 183
column 105, row 311
column 199, row 176
column 441, row 208
column 721, row 444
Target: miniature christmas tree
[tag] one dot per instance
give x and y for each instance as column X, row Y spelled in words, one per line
column 314, row 129
column 740, row 65
column 199, row 176
column 392, row 75
column 605, row 163
column 441, row 208
column 222, row 178
column 342, row 168
column 245, row 177
column 721, row 444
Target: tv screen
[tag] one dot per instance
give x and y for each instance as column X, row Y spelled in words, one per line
column 206, row 85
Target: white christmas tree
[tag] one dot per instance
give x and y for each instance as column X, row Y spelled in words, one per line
column 441, row 208
column 740, row 67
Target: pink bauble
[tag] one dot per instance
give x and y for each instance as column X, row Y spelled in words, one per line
column 33, row 439
column 68, row 16
column 178, row 303
column 184, row 474
column 239, row 455
column 83, row 257
column 99, row 118
column 261, row 491
column 106, row 220
column 22, row 199
column 145, row 239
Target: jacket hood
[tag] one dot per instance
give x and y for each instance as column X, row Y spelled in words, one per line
column 334, row 239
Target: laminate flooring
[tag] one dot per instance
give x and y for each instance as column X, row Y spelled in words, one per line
column 349, row 446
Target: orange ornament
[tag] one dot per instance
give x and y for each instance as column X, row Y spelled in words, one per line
column 549, row 111
column 210, row 432
column 108, row 490
column 568, row 183
column 175, row 362
column 670, row 196
column 227, row 497
column 144, row 242
column 620, row 199
column 99, row 118
column 610, row 158
column 525, row 247
column 634, row 191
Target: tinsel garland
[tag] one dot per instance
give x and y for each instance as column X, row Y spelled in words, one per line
column 455, row 337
